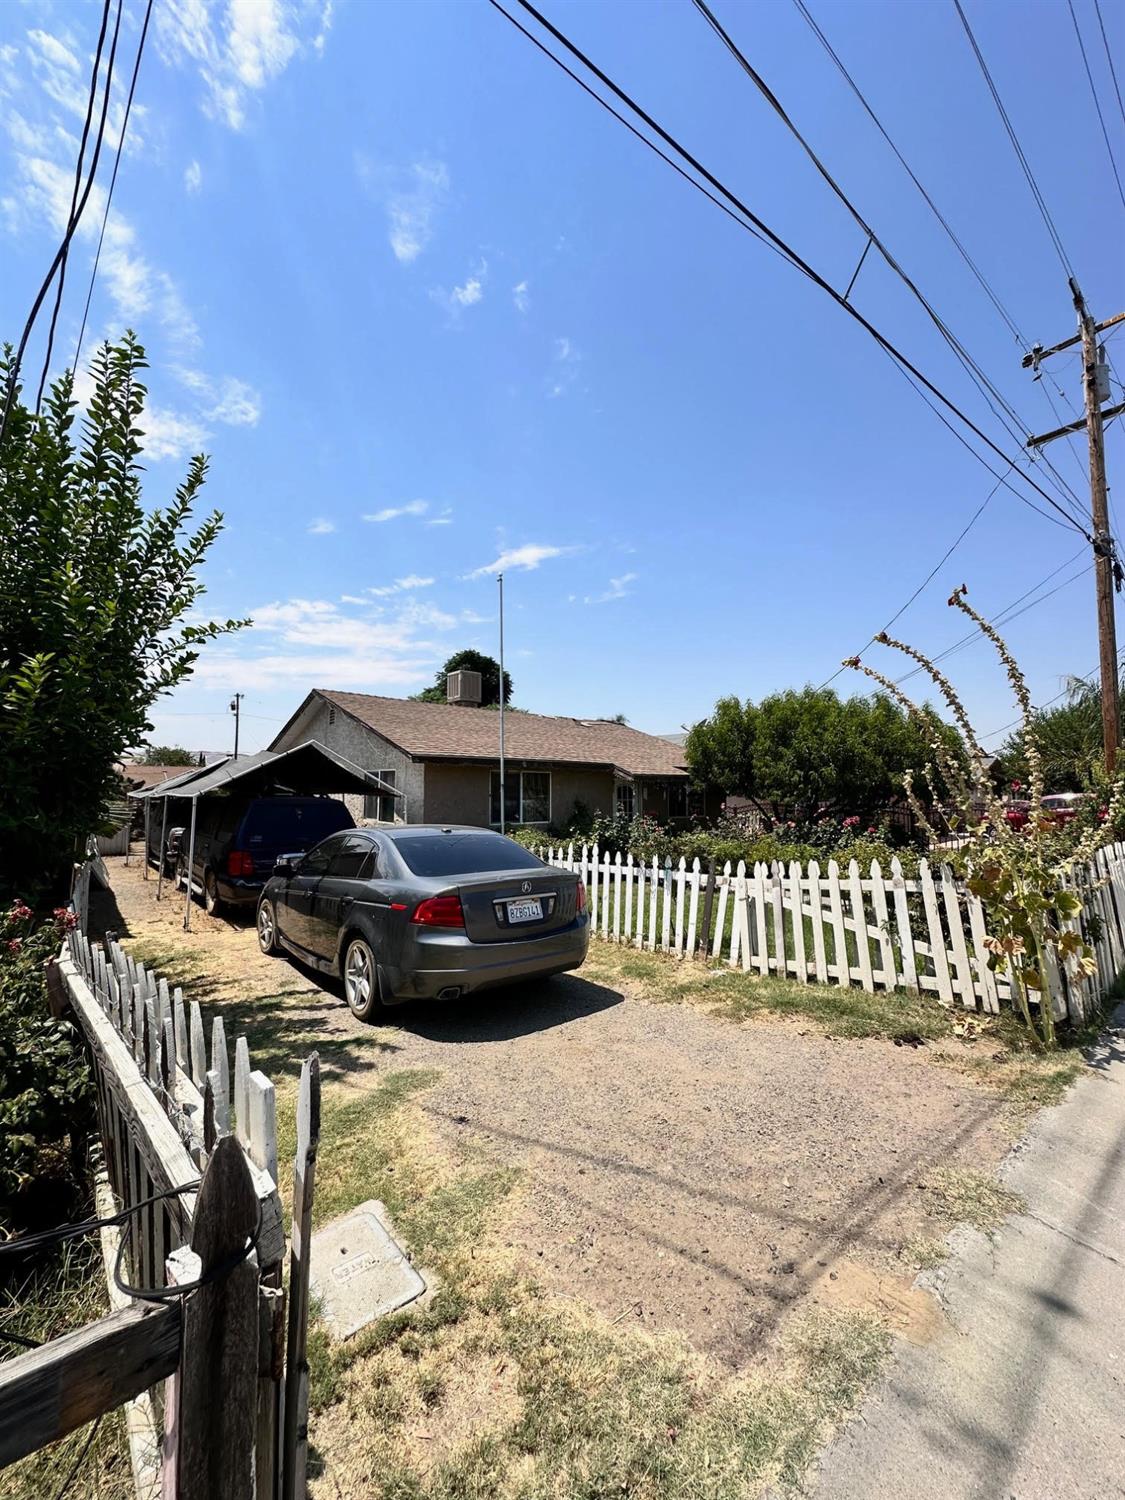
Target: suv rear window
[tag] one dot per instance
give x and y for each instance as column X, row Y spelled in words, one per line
column 294, row 822
column 463, row 854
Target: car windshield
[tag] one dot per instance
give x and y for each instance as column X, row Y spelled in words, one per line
column 293, row 822
column 463, row 854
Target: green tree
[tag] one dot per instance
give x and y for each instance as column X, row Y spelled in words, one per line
column 168, row 755
column 472, row 661
column 1069, row 738
column 94, row 591
column 808, row 754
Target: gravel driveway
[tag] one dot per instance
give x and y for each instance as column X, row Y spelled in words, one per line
column 682, row 1171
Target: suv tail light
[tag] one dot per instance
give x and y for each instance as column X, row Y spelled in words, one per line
column 439, row 911
column 240, row 863
column 580, row 905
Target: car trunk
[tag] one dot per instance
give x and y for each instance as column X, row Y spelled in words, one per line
column 501, row 908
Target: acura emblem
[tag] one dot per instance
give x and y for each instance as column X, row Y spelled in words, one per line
column 526, row 888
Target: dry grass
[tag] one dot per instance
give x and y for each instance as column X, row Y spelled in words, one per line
column 963, row 1196
column 64, row 1292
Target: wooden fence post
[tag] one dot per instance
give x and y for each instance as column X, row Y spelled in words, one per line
column 295, row 1443
column 211, row 1411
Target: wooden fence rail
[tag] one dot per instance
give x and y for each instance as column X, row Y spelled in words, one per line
column 869, row 929
column 169, row 1118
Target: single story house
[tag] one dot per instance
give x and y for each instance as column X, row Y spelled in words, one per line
column 443, row 761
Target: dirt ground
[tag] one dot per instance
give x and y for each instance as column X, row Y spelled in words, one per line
column 683, row 1172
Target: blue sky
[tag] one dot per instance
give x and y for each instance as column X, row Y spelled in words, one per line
column 427, row 307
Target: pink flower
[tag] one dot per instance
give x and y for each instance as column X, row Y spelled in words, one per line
column 1017, row 786
column 852, row 822
column 871, row 830
column 66, row 919
column 16, row 945
column 20, row 912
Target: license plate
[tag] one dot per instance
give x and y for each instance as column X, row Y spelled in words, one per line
column 525, row 911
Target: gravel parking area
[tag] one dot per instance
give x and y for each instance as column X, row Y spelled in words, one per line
column 681, row 1171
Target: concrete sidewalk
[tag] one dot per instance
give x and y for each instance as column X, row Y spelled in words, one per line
column 1022, row 1395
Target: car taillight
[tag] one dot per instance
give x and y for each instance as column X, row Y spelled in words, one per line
column 580, row 907
column 439, row 911
column 240, row 863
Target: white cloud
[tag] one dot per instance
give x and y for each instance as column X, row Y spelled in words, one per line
column 321, row 527
column 525, row 558
column 445, row 518
column 51, row 50
column 392, row 512
column 225, row 399
column 466, row 295
column 170, row 434
column 411, row 209
column 565, row 367
column 193, row 177
column 239, row 46
column 618, row 588
column 401, row 586
column 317, row 641
column 520, row 297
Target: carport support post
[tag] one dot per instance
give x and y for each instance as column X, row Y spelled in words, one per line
column 190, row 866
column 163, row 836
column 148, row 809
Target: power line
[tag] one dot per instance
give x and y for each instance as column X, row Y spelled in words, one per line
column 990, row 292
column 1009, row 612
column 986, row 387
column 758, row 226
column 1089, row 677
column 78, row 183
column 962, row 251
column 113, row 181
column 14, row 371
column 1094, row 96
column 1041, row 202
column 1109, row 59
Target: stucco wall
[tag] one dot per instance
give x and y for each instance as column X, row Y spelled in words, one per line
column 460, row 794
column 340, row 732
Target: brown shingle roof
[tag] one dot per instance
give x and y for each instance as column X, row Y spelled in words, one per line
column 439, row 731
column 145, row 776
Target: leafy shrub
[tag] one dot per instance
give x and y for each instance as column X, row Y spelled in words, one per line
column 45, row 1094
column 725, row 840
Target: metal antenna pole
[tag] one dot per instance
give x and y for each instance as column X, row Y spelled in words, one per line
column 236, row 710
column 503, row 789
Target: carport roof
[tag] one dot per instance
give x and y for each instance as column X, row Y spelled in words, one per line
column 308, row 769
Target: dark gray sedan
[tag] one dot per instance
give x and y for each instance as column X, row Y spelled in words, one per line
column 423, row 913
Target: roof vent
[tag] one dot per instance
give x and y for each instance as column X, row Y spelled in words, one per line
column 463, row 688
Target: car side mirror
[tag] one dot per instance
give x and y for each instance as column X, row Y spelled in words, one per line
column 284, row 867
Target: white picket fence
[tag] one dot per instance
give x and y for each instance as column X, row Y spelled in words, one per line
column 867, row 930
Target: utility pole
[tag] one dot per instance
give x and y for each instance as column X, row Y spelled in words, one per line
column 236, row 710
column 503, row 789
column 1107, row 569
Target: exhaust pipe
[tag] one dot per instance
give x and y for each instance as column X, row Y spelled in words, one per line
column 451, row 992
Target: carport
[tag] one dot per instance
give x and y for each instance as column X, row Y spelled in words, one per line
column 308, row 770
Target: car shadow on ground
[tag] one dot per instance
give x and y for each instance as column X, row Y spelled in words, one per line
column 498, row 1015
column 506, row 1012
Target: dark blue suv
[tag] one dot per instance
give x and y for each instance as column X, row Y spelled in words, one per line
column 237, row 843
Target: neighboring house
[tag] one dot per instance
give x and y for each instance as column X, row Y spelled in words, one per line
column 444, row 762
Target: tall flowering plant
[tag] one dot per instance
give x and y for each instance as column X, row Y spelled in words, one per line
column 1023, row 873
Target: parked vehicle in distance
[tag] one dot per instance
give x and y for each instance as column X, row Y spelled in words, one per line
column 173, row 845
column 1016, row 813
column 238, row 842
column 1063, row 807
column 423, row 912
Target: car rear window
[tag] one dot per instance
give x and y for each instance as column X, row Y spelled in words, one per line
column 295, row 823
column 463, row 854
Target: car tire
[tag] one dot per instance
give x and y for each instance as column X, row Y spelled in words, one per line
column 267, row 929
column 212, row 901
column 361, row 979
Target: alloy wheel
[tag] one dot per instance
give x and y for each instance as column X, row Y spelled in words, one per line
column 358, row 977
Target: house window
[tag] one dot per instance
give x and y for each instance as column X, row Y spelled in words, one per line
column 527, row 797
column 624, row 800
column 677, row 799
column 379, row 805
